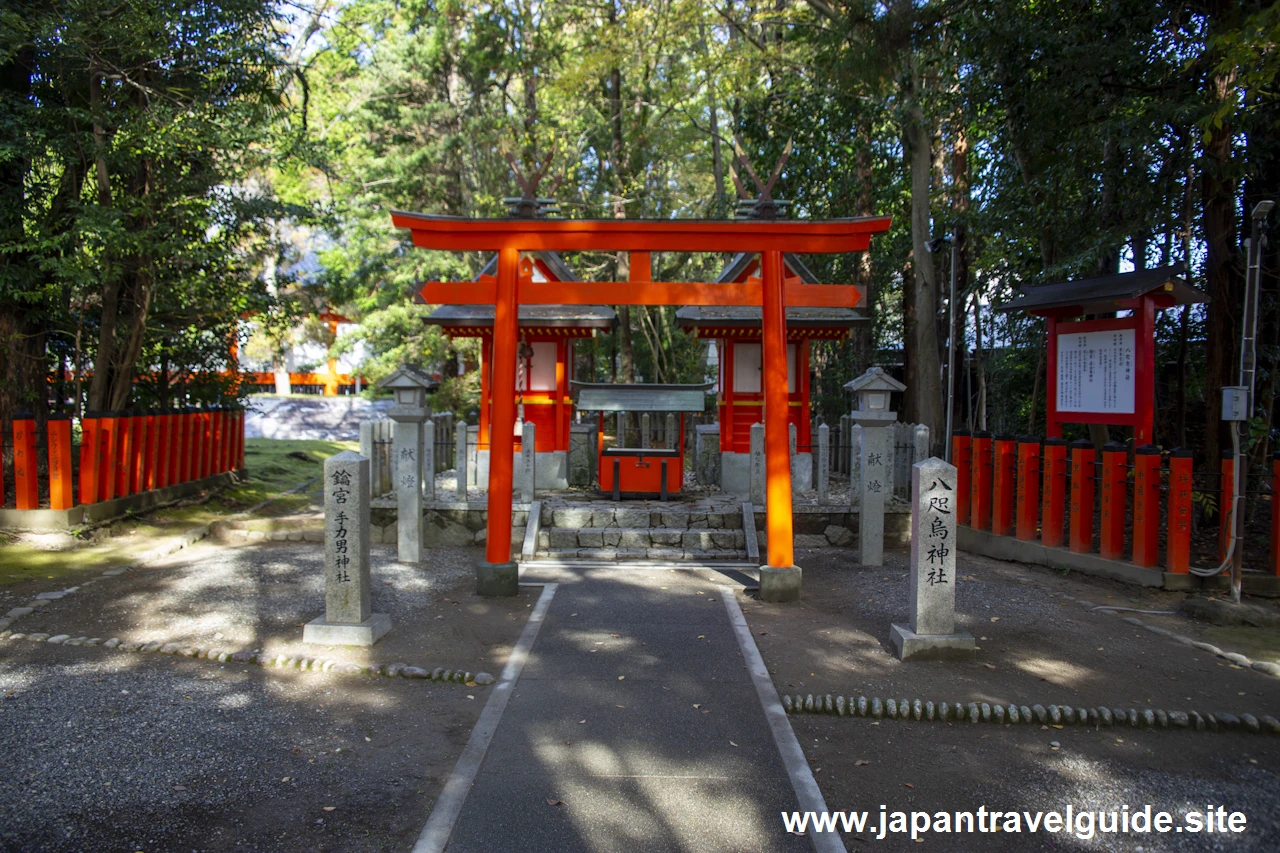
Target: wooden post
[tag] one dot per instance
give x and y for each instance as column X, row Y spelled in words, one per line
column 26, row 470
column 58, row 430
column 962, row 458
column 1178, row 525
column 147, row 477
column 1146, row 506
column 1114, row 501
column 1055, row 492
column 1081, row 536
column 503, row 388
column 127, row 445
column 186, row 431
column 1004, row 461
column 217, row 439
column 1028, row 509
column 166, row 454
column 980, row 499
column 777, row 458
column 142, row 447
column 1226, row 490
column 108, row 439
column 89, row 462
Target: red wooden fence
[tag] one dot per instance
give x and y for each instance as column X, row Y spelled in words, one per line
column 120, row 454
column 1029, row 489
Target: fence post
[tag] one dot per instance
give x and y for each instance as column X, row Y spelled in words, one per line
column 962, row 458
column 1114, row 501
column 89, row 462
column 842, row 457
column 824, row 462
column 1028, row 509
column 1275, row 514
column 108, row 439
column 1226, row 488
column 26, row 470
column 147, row 469
column 1082, row 459
column 1178, row 550
column 1054, row 474
column 1146, row 506
column 171, row 430
column 429, row 459
column 58, row 430
column 1005, row 476
column 186, row 432
column 460, row 458
column 980, row 501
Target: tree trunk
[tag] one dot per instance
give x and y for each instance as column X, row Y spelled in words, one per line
column 1222, row 274
column 924, row 387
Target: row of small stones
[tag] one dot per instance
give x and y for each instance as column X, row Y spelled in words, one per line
column 278, row 535
column 1053, row 715
column 391, row 670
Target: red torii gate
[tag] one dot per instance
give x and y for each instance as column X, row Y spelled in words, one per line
column 773, row 292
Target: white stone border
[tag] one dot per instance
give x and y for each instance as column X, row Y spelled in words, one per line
column 435, row 834
column 808, row 794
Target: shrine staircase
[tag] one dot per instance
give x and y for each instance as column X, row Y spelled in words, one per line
column 629, row 534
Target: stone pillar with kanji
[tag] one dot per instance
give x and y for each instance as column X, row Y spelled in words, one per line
column 348, row 619
column 873, row 391
column 931, row 633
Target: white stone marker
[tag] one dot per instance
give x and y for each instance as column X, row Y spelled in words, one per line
column 429, row 459
column 824, row 462
column 646, row 436
column 757, row 464
column 347, row 619
column 460, row 458
column 932, row 633
column 875, row 485
column 407, row 449
column 673, row 436
column 529, row 456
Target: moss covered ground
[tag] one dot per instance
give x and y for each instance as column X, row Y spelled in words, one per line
column 274, row 466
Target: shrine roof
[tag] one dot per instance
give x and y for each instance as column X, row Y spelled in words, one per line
column 1103, row 294
column 608, row 397
column 748, row 316
column 574, row 316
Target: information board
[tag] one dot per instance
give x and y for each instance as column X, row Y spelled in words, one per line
column 1096, row 372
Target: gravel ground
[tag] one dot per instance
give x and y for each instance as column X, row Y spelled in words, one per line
column 1038, row 646
column 147, row 753
column 107, row 750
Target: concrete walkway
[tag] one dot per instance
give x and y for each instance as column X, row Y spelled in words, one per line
column 634, row 725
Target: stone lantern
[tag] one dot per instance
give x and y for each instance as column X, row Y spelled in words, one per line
column 410, row 386
column 871, row 391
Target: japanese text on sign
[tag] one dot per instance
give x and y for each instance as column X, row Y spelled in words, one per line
column 1096, row 372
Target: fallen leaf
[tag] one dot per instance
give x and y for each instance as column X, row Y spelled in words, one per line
column 469, row 696
column 179, row 787
column 285, row 779
column 702, row 636
column 731, row 743
column 555, row 802
column 995, row 618
column 697, row 706
column 907, row 785
column 615, row 635
column 622, row 677
column 619, row 706
column 989, row 665
column 470, row 684
column 861, row 762
column 581, row 722
column 368, row 739
column 330, row 808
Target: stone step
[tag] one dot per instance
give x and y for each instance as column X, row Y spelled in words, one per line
column 642, row 538
column 631, row 518
column 692, row 555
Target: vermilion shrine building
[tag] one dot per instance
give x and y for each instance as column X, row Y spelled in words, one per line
column 736, row 330
column 544, row 364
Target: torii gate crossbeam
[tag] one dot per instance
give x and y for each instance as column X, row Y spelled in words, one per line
column 513, row 286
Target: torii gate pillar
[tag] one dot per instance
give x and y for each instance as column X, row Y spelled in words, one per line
column 780, row 578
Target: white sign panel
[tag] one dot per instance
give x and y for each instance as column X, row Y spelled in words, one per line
column 1095, row 372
